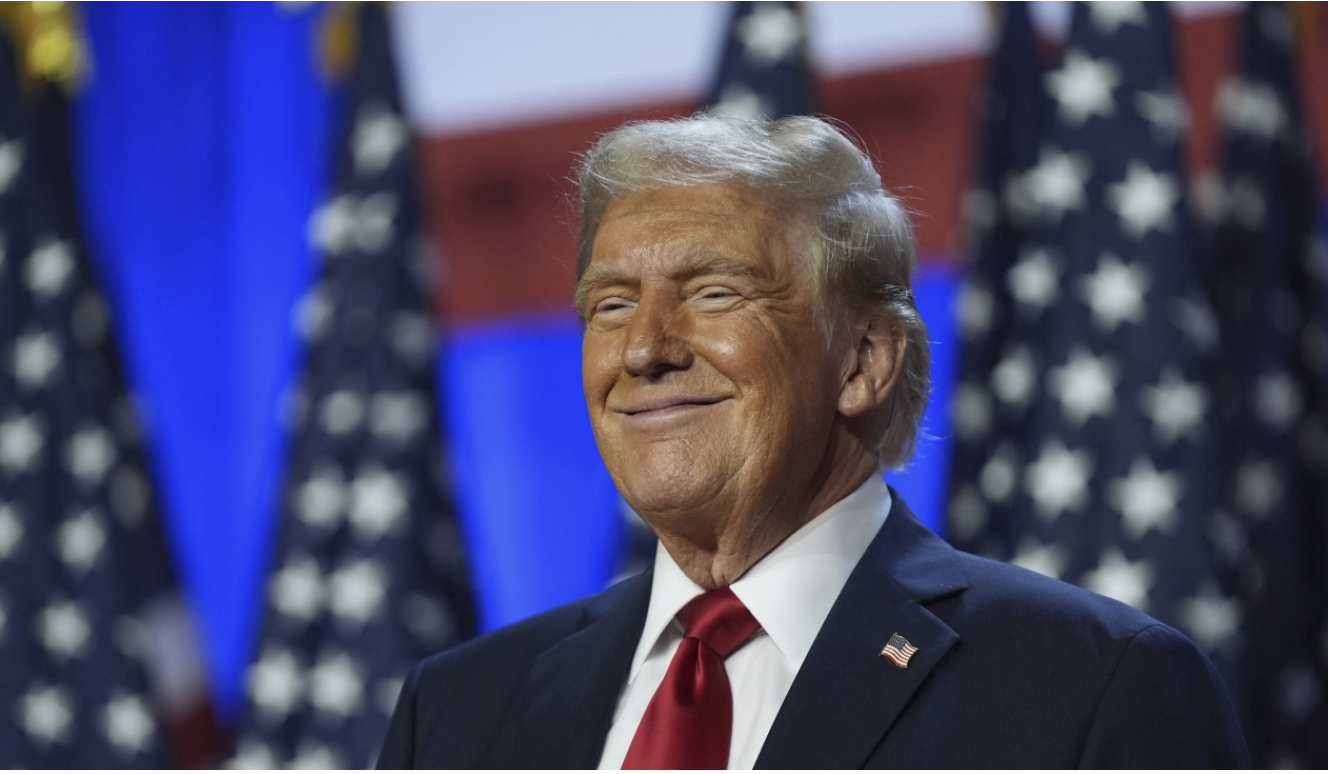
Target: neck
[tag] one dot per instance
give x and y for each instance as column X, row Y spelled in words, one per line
column 718, row 554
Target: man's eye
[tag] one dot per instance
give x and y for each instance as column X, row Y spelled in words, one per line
column 611, row 307
column 716, row 293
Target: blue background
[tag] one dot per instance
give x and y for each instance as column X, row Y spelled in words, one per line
column 204, row 144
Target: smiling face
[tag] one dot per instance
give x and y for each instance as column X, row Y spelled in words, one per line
column 713, row 390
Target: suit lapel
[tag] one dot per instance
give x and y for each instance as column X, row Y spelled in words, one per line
column 574, row 686
column 846, row 696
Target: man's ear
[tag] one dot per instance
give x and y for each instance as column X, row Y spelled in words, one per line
column 879, row 357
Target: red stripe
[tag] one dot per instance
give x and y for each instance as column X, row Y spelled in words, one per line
column 497, row 202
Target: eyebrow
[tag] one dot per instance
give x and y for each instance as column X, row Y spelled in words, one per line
column 697, row 265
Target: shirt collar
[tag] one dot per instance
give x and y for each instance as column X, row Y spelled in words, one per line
column 791, row 590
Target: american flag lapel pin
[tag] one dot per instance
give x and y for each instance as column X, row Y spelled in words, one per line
column 899, row 650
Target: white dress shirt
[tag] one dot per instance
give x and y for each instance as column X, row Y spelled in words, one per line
column 789, row 592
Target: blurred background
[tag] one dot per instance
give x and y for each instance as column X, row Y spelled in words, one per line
column 289, row 373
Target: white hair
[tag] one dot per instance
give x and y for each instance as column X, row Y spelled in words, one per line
column 863, row 252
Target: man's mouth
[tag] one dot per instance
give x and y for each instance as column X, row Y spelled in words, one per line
column 664, row 405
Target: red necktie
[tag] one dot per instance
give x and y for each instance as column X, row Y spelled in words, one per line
column 690, row 718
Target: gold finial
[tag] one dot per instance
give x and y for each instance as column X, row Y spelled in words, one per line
column 50, row 43
column 338, row 40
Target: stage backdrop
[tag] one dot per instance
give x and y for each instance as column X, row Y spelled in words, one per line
column 204, row 142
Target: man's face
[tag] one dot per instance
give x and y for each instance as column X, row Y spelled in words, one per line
column 711, row 387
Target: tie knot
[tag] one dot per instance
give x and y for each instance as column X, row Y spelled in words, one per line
column 719, row 619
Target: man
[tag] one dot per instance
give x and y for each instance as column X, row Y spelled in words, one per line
column 752, row 358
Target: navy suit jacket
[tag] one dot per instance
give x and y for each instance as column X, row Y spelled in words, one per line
column 1013, row 670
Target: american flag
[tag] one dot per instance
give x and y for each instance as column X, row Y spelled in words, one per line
column 763, row 73
column 1114, row 484
column 763, row 70
column 369, row 575
column 1272, row 265
column 99, row 654
column 1000, row 306
column 899, row 650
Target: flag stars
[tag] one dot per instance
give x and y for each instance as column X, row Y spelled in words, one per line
column 1165, row 110
column 332, row 226
column 1085, row 386
column 335, row 685
column 1048, row 560
column 21, row 440
column 738, row 101
column 80, row 541
column 1019, row 200
column 1109, row 16
column 397, row 417
column 128, row 724
column 379, row 135
column 413, row 337
column 1057, row 182
column 11, row 531
column 297, row 589
column 1195, row 318
column 36, row 358
column 64, row 629
column 1082, row 87
column 50, row 267
column 1277, row 400
column 341, row 412
column 1299, row 693
column 968, row 514
column 972, row 412
column 1117, row 577
column 316, row 757
column 320, row 501
column 1034, row 280
column 999, row 475
column 1175, row 407
column 349, row 221
column 312, row 314
column 1014, row 377
column 976, row 308
column 47, row 714
column 1210, row 618
column 1144, row 200
column 1245, row 204
column 770, row 33
column 276, row 683
column 1058, row 480
column 378, row 503
column 1258, row 488
column 253, row 755
column 1252, row 108
column 1115, row 292
column 1228, row 536
column 357, row 591
column 89, row 454
column 1146, row 498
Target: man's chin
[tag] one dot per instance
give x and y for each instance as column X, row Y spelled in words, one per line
column 675, row 509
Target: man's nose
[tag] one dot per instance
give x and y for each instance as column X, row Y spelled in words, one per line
column 656, row 341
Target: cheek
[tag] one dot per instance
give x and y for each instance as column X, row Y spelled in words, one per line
column 599, row 366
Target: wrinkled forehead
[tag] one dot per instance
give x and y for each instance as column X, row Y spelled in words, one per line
column 714, row 219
